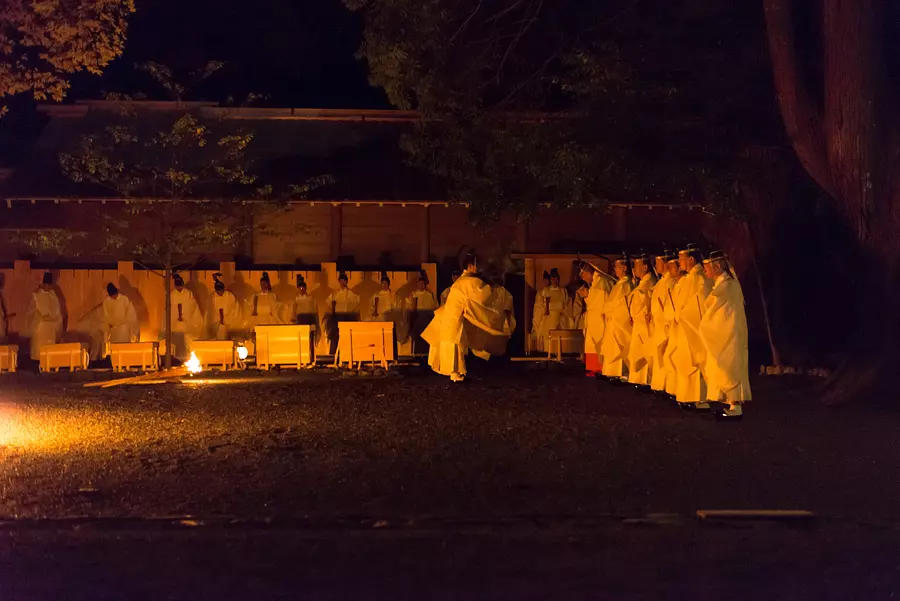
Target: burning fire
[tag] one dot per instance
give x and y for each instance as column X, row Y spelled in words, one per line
column 193, row 364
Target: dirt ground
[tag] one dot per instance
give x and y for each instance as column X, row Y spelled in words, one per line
column 521, row 442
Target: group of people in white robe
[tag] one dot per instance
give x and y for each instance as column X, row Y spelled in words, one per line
column 676, row 325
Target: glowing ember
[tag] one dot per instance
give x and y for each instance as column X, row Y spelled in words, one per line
column 193, row 364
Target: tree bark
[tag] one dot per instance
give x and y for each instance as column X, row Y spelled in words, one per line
column 849, row 145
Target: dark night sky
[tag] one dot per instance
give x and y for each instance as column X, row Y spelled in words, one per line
column 299, row 52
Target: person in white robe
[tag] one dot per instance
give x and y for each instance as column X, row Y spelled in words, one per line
column 723, row 331
column 659, row 326
column 118, row 323
column 463, row 323
column 341, row 305
column 186, row 320
column 553, row 302
column 43, row 317
column 689, row 356
column 669, row 316
column 640, row 353
column 502, row 319
column 599, row 285
column 263, row 306
column 454, row 276
column 537, row 314
column 421, row 312
column 225, row 311
column 617, row 333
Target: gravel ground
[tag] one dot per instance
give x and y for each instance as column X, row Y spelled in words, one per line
column 520, row 442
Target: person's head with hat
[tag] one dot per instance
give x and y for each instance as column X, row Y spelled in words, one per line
column 112, row 291
column 673, row 265
column 554, row 278
column 717, row 264
column 47, row 280
column 546, row 279
column 662, row 261
column 641, row 265
column 265, row 284
column 585, row 272
column 422, row 280
column 385, row 281
column 178, row 281
column 218, row 284
column 689, row 256
column 342, row 280
column 301, row 285
column 470, row 262
column 622, row 266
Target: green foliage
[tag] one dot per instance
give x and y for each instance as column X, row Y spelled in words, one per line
column 43, row 42
column 190, row 183
column 649, row 100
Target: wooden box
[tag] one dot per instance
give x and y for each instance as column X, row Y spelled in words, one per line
column 361, row 341
column 215, row 353
column 291, row 344
column 9, row 357
column 134, row 356
column 69, row 355
column 563, row 342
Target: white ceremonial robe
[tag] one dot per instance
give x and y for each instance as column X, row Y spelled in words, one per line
column 672, row 338
column 594, row 323
column 224, row 315
column 44, row 319
column 640, row 353
column 384, row 306
column 444, row 296
column 579, row 311
column 549, row 314
column 267, row 310
column 659, row 333
column 305, row 311
column 689, row 356
column 186, row 329
column 723, row 330
column 118, row 324
column 464, row 322
column 617, row 335
column 501, row 319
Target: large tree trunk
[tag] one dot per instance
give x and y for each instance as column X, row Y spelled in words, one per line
column 846, row 138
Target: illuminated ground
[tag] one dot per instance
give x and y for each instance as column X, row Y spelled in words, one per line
column 510, row 450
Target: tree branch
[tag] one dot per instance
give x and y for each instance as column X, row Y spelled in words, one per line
column 802, row 118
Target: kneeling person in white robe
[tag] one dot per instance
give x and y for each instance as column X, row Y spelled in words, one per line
column 44, row 317
column 226, row 311
column 723, row 330
column 186, row 319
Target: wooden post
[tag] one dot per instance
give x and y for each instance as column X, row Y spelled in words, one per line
column 227, row 268
column 125, row 271
column 336, row 232
column 425, row 229
column 530, row 286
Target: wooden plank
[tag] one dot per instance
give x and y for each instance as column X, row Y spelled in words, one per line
column 755, row 513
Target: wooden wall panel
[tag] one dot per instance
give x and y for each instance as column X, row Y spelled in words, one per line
column 304, row 237
column 370, row 231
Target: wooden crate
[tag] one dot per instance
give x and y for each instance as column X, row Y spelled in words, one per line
column 565, row 342
column 9, row 358
column 361, row 341
column 134, row 356
column 215, row 353
column 69, row 355
column 290, row 344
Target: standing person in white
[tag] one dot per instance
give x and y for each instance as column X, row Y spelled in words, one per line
column 617, row 314
column 225, row 313
column 674, row 267
column 689, row 356
column 118, row 322
column 537, row 314
column 594, row 322
column 264, row 304
column 341, row 305
column 640, row 353
column 305, row 310
column 659, row 327
column 723, row 330
column 551, row 306
column 384, row 305
column 186, row 319
column 458, row 324
column 43, row 316
column 422, row 306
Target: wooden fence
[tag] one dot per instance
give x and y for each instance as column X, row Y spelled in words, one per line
column 82, row 290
